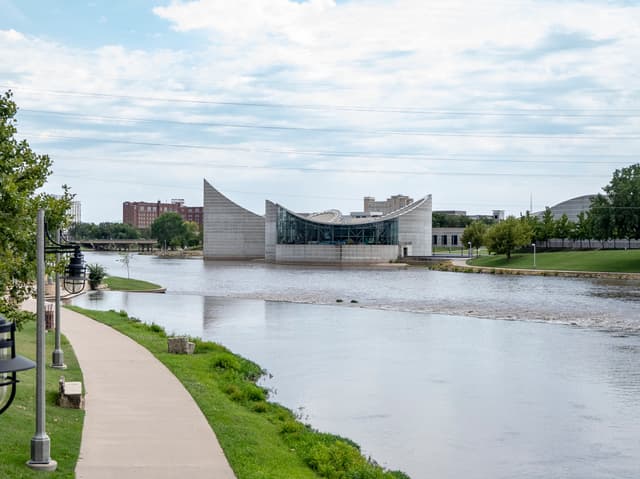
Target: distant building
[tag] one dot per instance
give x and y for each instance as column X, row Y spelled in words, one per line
column 76, row 212
column 393, row 203
column 572, row 208
column 282, row 236
column 142, row 214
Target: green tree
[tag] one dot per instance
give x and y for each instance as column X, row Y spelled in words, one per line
column 623, row 194
column 22, row 173
column 546, row 227
column 170, row 230
column 508, row 235
column 583, row 230
column 474, row 234
column 563, row 228
column 601, row 218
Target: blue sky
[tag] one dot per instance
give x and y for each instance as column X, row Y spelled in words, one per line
column 315, row 104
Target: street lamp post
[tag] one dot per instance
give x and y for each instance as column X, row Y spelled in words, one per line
column 57, row 358
column 534, row 254
column 469, row 243
column 74, row 279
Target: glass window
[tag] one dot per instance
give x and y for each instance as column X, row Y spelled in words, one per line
column 454, row 240
column 294, row 230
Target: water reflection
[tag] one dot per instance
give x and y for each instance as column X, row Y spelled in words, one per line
column 437, row 396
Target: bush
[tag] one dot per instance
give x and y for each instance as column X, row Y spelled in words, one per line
column 97, row 273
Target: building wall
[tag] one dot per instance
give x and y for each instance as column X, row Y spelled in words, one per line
column 230, row 231
column 387, row 206
column 142, row 214
column 414, row 228
column 270, row 231
column 447, row 237
column 335, row 254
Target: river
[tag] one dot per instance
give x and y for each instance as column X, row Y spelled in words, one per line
column 442, row 375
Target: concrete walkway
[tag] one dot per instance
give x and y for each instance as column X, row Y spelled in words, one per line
column 140, row 421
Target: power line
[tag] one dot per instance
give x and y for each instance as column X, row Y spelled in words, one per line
column 421, row 158
column 320, row 129
column 609, row 112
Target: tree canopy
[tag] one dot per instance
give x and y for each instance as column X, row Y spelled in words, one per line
column 83, row 231
column 172, row 231
column 474, row 234
column 507, row 236
column 22, row 174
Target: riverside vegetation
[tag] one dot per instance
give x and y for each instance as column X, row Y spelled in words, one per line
column 613, row 261
column 261, row 439
column 64, row 426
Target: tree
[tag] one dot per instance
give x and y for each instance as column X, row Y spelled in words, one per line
column 170, row 230
column 562, row 228
column 508, row 235
column 125, row 259
column 601, row 218
column 546, row 227
column 623, row 195
column 583, row 230
column 474, row 234
column 22, row 173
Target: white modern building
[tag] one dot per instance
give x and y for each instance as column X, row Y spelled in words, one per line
column 282, row 236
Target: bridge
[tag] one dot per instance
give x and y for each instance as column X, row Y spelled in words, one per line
column 118, row 244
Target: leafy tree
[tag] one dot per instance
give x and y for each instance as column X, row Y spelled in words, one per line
column 623, row 194
column 546, row 227
column 22, row 173
column 563, row 228
column 474, row 234
column 170, row 230
column 583, row 230
column 84, row 231
column 508, row 235
column 441, row 220
column 601, row 218
column 533, row 223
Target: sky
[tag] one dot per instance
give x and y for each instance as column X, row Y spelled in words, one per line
column 491, row 104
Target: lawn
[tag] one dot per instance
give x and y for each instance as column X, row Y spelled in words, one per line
column 614, row 261
column 64, row 426
column 262, row 440
column 116, row 283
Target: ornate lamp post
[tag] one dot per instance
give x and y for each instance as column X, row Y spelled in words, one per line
column 74, row 279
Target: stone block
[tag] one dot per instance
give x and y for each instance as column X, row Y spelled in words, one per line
column 70, row 394
column 180, row 345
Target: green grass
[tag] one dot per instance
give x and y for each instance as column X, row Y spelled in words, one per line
column 117, row 283
column 614, row 261
column 64, row 426
column 261, row 440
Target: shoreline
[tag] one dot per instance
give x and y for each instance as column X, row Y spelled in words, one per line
column 461, row 266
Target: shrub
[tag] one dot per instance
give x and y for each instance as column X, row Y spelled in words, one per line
column 96, row 275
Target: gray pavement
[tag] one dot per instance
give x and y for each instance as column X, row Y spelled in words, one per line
column 140, row 421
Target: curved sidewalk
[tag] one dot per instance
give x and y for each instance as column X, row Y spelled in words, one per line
column 140, row 421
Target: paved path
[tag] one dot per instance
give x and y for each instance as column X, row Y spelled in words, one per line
column 140, row 421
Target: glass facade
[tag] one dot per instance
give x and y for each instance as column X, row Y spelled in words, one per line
column 295, row 230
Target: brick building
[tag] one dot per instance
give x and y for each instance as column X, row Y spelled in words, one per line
column 141, row 214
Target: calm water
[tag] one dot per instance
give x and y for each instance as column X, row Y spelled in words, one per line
column 436, row 395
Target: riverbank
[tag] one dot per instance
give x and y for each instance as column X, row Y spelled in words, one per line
column 618, row 264
column 116, row 283
column 64, row 426
column 260, row 438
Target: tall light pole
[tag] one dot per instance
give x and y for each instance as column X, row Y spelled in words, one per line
column 74, row 280
column 534, row 254
column 40, row 442
column 57, row 357
column 469, row 243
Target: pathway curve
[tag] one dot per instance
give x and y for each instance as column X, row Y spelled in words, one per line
column 140, row 421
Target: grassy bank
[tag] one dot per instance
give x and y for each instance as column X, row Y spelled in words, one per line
column 260, row 439
column 116, row 283
column 615, row 261
column 64, row 426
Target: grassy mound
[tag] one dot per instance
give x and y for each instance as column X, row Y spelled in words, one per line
column 116, row 283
